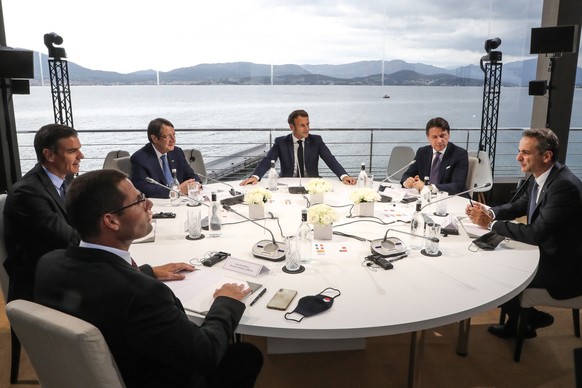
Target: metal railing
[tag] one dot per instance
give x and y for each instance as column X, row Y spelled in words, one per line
column 350, row 146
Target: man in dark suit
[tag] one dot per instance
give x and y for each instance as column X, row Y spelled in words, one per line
column 553, row 204
column 151, row 338
column 445, row 163
column 34, row 214
column 150, row 161
column 311, row 147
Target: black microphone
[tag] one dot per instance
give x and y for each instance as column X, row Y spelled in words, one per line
column 397, row 171
column 203, row 221
column 232, row 191
column 522, row 185
column 381, row 188
column 264, row 249
column 392, row 246
column 456, row 195
column 297, row 189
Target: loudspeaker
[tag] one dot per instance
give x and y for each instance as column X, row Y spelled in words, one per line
column 553, row 40
column 537, row 88
column 16, row 63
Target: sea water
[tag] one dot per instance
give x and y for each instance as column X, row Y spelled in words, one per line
column 264, row 108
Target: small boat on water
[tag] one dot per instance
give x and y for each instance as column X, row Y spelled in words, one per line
column 386, row 96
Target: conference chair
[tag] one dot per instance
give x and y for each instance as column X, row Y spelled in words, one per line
column 15, row 343
column 108, row 162
column 196, row 161
column 399, row 157
column 122, row 164
column 531, row 297
column 480, row 174
column 65, row 351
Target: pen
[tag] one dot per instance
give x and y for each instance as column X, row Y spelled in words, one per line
column 259, row 296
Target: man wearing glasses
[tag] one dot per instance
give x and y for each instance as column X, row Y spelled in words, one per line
column 150, row 336
column 157, row 159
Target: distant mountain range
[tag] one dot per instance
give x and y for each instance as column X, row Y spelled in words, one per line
column 396, row 72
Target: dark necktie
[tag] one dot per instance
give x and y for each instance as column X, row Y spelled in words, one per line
column 62, row 191
column 532, row 202
column 134, row 264
column 300, row 161
column 434, row 169
column 166, row 168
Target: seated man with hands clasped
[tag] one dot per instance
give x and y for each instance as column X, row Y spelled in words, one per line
column 157, row 159
column 152, row 340
column 445, row 163
column 299, row 153
column 553, row 205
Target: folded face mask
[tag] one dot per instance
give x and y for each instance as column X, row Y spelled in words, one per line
column 313, row 304
column 489, row 241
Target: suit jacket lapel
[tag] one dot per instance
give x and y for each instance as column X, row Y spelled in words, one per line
column 154, row 161
column 50, row 188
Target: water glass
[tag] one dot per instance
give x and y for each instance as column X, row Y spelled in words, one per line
column 193, row 221
column 433, row 230
column 441, row 207
column 194, row 192
column 292, row 259
column 370, row 181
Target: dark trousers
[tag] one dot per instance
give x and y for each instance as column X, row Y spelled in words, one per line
column 239, row 368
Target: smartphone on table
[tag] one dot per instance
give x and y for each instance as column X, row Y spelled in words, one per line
column 282, row 299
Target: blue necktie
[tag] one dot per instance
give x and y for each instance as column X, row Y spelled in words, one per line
column 166, row 168
column 532, row 202
column 434, row 170
column 62, row 191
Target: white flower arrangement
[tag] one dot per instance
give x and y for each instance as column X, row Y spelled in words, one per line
column 365, row 194
column 258, row 196
column 318, row 186
column 321, row 214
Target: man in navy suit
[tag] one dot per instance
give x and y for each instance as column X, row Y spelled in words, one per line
column 452, row 162
column 149, row 161
column 152, row 340
column 286, row 149
column 553, row 204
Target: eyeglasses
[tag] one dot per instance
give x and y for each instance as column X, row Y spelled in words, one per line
column 141, row 198
column 171, row 136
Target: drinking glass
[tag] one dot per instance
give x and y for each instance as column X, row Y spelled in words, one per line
column 291, row 254
column 194, row 223
column 433, row 230
column 194, row 192
column 441, row 207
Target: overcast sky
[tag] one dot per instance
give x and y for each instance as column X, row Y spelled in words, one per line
column 132, row 35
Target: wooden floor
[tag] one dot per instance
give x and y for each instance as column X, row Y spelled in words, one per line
column 547, row 361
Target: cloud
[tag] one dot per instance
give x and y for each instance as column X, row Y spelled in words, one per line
column 134, row 35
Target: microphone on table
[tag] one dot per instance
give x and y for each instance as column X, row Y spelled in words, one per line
column 520, row 187
column 297, row 189
column 203, row 221
column 381, row 188
column 392, row 246
column 237, row 197
column 264, row 249
column 456, row 195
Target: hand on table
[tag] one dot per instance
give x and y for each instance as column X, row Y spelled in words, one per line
column 478, row 214
column 348, row 180
column 249, row 181
column 232, row 290
column 169, row 271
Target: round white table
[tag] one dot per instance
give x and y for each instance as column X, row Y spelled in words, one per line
column 419, row 293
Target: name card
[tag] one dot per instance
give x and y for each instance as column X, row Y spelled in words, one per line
column 245, row 267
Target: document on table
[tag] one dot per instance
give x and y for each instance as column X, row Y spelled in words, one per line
column 195, row 292
column 471, row 229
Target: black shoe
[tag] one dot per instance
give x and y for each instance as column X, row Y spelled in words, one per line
column 538, row 319
column 504, row 331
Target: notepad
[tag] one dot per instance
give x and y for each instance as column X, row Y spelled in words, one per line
column 195, row 292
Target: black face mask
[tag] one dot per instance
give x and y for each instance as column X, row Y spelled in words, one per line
column 489, row 241
column 313, row 304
